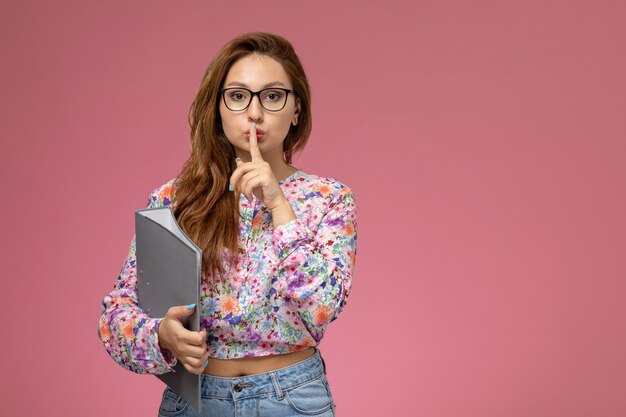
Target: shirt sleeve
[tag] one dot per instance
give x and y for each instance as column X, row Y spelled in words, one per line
column 317, row 266
column 129, row 335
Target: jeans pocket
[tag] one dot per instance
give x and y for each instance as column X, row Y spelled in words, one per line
column 311, row 398
column 172, row 404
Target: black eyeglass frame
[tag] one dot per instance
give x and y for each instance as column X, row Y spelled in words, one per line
column 255, row 93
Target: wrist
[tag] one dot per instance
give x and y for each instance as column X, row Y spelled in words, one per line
column 282, row 213
column 160, row 336
column 280, row 204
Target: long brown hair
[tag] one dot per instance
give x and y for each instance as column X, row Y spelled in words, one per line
column 205, row 209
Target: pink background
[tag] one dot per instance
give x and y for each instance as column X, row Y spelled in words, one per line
column 484, row 141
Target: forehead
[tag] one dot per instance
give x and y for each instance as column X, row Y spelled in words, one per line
column 256, row 71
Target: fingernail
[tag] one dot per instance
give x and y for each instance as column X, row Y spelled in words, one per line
column 254, row 125
column 238, row 159
column 230, row 187
column 206, row 363
column 190, row 306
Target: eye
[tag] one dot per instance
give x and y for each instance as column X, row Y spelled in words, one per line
column 273, row 95
column 238, row 95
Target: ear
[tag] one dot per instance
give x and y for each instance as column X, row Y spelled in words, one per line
column 296, row 113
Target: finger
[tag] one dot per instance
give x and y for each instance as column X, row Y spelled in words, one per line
column 179, row 312
column 197, row 363
column 255, row 152
column 249, row 182
column 235, row 178
column 232, row 183
column 196, row 370
column 192, row 338
column 200, row 362
column 201, row 337
column 192, row 351
column 239, row 188
column 254, row 187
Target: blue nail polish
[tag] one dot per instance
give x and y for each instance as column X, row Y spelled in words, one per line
column 190, row 306
column 230, row 187
column 206, row 363
column 254, row 125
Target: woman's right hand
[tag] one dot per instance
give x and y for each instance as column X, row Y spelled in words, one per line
column 189, row 347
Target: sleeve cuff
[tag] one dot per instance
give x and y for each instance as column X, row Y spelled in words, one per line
column 287, row 237
column 163, row 357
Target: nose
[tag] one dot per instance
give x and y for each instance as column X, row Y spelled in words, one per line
column 255, row 110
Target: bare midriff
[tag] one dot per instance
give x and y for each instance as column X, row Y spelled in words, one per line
column 255, row 365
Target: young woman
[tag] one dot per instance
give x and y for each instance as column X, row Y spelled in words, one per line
column 278, row 246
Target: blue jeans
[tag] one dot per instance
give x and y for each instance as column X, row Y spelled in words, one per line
column 297, row 390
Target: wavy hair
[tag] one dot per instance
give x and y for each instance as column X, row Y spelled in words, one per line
column 205, row 209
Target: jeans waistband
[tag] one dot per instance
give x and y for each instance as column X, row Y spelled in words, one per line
column 265, row 383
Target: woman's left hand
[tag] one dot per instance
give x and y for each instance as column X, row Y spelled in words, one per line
column 256, row 177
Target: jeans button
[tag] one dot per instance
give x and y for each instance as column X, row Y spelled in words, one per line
column 238, row 388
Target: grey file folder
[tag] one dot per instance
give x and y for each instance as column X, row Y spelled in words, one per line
column 169, row 268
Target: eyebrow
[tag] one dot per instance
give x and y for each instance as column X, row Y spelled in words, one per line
column 239, row 84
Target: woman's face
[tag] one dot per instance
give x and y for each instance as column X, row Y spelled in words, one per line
column 257, row 72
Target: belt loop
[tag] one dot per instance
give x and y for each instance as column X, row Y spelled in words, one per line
column 279, row 392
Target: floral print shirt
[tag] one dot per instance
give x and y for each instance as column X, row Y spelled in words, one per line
column 288, row 284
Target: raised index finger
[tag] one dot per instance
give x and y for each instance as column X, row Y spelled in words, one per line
column 255, row 152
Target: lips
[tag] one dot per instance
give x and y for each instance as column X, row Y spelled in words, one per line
column 259, row 134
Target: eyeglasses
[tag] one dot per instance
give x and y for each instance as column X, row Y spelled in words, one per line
column 239, row 98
